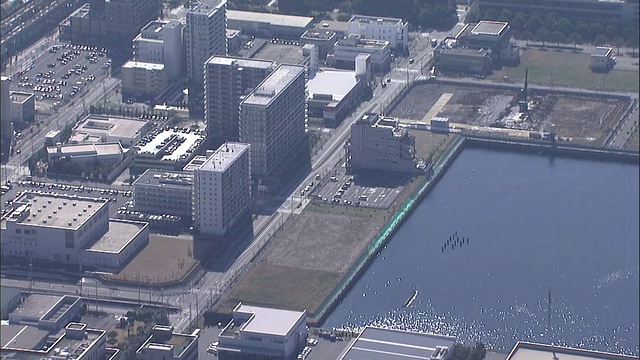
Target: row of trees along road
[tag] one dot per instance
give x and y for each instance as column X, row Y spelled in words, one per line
column 550, row 27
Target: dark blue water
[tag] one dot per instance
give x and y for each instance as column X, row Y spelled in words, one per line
column 533, row 222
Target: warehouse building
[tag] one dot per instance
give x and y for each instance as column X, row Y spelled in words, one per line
column 87, row 152
column 268, row 25
column 109, row 129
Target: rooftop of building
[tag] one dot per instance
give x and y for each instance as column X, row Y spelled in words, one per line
column 7, row 293
column 35, row 306
column 360, row 43
column 30, row 343
column 224, row 156
column 84, row 138
column 171, row 145
column 465, row 51
column 602, row 51
column 280, row 53
column 362, row 19
column 120, row 233
column 20, row 97
column 274, row 84
column 165, row 178
column 337, row 83
column 111, row 125
column 486, row 27
column 167, row 339
column 385, row 344
column 533, row 351
column 53, row 210
column 155, row 26
column 319, row 34
column 273, row 19
column 240, row 62
column 143, row 65
column 195, row 163
column 337, row 26
column 265, row 320
column 101, row 149
column 205, row 6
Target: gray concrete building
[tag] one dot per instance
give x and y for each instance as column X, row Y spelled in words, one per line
column 322, row 38
column 346, row 50
column 227, row 81
column 379, row 143
column 268, row 25
column 205, row 36
column 164, row 192
column 272, row 120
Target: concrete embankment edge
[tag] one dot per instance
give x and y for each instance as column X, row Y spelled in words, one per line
column 433, row 175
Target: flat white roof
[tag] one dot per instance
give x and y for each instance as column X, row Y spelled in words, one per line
column 143, row 65
column 533, row 351
column 335, row 82
column 120, row 233
column 269, row 321
column 115, row 126
column 87, row 149
column 273, row 19
column 240, row 62
column 226, row 154
column 363, row 19
column 274, row 84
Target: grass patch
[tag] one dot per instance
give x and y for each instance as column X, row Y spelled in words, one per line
column 345, row 210
column 567, row 69
column 284, row 288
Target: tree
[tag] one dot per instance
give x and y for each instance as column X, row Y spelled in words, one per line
column 534, row 24
column 557, row 37
column 582, row 29
column 473, row 16
column 526, row 35
column 519, row 21
column 612, row 31
column 576, row 39
column 564, row 25
column 506, row 15
column 543, row 35
column 490, row 14
column 600, row 40
column 550, row 23
column 596, row 29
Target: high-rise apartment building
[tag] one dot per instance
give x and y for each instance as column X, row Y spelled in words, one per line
column 161, row 42
column 205, row 36
column 227, row 81
column 127, row 17
column 222, row 189
column 272, row 120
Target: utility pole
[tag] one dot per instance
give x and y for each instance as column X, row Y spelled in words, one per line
column 138, row 276
column 549, row 311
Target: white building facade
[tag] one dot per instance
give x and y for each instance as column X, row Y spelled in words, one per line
column 164, row 192
column 205, row 36
column 143, row 78
column 393, row 30
column 272, row 120
column 222, row 189
column 161, row 42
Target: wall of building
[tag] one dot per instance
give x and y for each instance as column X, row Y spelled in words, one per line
column 156, row 199
column 143, row 79
column 115, row 260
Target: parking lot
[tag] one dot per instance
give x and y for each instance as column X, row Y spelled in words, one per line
column 61, row 73
column 368, row 189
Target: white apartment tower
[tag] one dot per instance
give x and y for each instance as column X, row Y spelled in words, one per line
column 205, row 36
column 161, row 42
column 222, row 189
column 227, row 81
column 272, row 120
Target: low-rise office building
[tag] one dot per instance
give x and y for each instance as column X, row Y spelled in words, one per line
column 164, row 192
column 263, row 333
column 333, row 94
column 393, row 30
column 379, row 143
column 23, row 108
column 267, row 24
column 143, row 79
column 164, row 343
column 116, row 247
column 462, row 59
column 346, row 50
column 490, row 35
column 602, row 59
column 87, row 153
column 109, row 129
column 322, row 38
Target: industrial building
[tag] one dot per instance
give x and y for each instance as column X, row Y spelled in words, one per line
column 23, row 108
column 167, row 149
column 108, row 21
column 397, row 345
column 584, row 10
column 164, row 192
column 69, row 229
column 205, row 36
column 227, row 81
column 527, row 350
column 449, row 57
column 273, row 119
column 164, row 343
column 268, row 25
column 143, row 79
column 109, row 129
column 393, row 30
column 490, row 35
column 346, row 50
column 222, row 189
column 322, row 38
column 6, row 127
column 380, row 143
column 162, row 42
column 87, row 153
column 333, row 94
column 263, row 333
column 602, row 59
